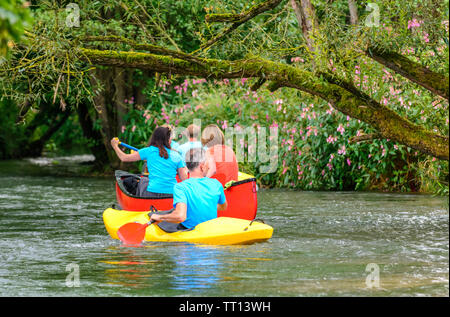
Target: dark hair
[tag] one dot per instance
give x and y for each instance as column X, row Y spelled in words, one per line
column 194, row 157
column 160, row 139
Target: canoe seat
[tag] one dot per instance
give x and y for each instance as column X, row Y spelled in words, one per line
column 171, row 227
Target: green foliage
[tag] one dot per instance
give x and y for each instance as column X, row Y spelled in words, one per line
column 314, row 148
column 69, row 140
column 11, row 133
column 14, row 17
column 314, row 151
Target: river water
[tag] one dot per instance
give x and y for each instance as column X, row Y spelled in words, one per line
column 324, row 244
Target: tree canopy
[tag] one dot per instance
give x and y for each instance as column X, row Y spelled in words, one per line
column 354, row 55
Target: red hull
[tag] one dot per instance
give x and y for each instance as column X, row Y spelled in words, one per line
column 241, row 198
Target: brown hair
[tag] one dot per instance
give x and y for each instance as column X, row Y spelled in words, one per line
column 212, row 135
column 170, row 127
column 160, row 139
column 192, row 131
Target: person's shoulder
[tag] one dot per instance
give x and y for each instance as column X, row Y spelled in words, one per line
column 227, row 148
column 214, row 182
column 180, row 185
column 183, row 148
column 146, row 150
column 150, row 148
column 184, row 145
column 220, row 147
column 175, row 154
column 174, row 145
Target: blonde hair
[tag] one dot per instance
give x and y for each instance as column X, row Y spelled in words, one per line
column 212, row 135
column 192, row 131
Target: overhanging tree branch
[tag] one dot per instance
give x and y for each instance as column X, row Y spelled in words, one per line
column 357, row 105
column 142, row 46
column 434, row 82
column 237, row 19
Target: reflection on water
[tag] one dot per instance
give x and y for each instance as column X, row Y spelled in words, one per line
column 181, row 267
column 130, row 268
column 196, row 267
column 321, row 245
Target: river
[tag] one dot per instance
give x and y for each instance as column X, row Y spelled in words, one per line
column 324, row 244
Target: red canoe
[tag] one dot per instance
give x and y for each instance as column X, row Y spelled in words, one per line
column 241, row 197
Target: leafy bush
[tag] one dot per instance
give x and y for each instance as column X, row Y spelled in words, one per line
column 314, row 151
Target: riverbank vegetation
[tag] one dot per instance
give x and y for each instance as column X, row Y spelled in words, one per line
column 358, row 90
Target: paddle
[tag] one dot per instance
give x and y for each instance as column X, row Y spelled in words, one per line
column 134, row 149
column 128, row 146
column 133, row 233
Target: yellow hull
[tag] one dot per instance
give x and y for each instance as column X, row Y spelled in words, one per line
column 219, row 231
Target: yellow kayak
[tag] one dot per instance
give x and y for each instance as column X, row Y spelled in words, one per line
column 219, row 231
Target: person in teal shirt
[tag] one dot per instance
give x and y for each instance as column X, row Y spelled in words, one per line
column 163, row 162
column 175, row 146
column 198, row 198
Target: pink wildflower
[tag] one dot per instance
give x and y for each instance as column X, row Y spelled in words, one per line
column 331, row 139
column 224, row 125
column 342, row 150
column 414, row 24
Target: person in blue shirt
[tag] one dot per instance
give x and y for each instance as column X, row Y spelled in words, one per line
column 197, row 198
column 192, row 132
column 163, row 163
column 173, row 146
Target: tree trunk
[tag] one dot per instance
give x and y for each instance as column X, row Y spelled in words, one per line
column 353, row 8
column 35, row 148
column 96, row 142
column 113, row 86
column 306, row 18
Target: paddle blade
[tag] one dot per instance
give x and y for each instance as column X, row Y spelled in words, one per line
column 132, row 233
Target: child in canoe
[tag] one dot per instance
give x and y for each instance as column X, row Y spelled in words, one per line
column 224, row 166
column 196, row 199
column 163, row 163
column 193, row 134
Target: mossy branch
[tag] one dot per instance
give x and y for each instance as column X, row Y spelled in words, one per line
column 244, row 16
column 258, row 84
column 273, row 86
column 237, row 19
column 388, row 123
column 434, row 82
column 143, row 47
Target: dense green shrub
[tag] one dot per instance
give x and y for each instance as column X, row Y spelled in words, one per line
column 314, row 151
